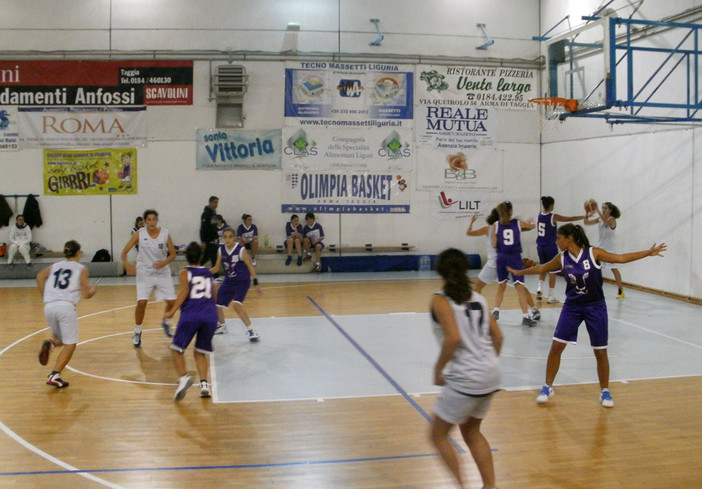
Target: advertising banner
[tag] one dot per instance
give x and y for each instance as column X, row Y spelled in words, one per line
column 450, row 205
column 371, row 149
column 9, row 139
column 229, row 149
column 67, row 127
column 460, row 170
column 62, row 82
column 476, row 86
column 97, row 172
column 345, row 192
column 336, row 91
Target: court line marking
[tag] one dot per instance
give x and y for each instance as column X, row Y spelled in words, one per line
column 88, row 473
column 381, row 370
column 38, row 451
column 229, row 467
column 694, row 345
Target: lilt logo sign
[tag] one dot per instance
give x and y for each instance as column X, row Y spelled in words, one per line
column 465, row 205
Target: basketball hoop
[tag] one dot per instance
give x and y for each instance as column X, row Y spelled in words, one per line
column 554, row 107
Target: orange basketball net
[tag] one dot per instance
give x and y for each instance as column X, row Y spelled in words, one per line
column 571, row 105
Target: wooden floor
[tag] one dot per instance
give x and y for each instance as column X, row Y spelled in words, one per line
column 132, row 435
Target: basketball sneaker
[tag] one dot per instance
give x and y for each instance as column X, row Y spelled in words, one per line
column 299, row 261
column 45, row 352
column 527, row 321
column 221, row 329
column 55, row 379
column 545, row 394
column 621, row 295
column 288, row 260
column 253, row 262
column 317, row 267
column 535, row 314
column 253, row 335
column 166, row 329
column 539, row 295
column 551, row 299
column 136, row 339
column 606, row 399
column 204, row 389
column 183, row 383
column 496, row 314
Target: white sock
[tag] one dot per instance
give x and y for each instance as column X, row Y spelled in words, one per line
column 541, row 284
column 137, row 328
column 550, row 292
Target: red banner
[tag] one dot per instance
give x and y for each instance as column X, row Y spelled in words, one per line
column 56, row 82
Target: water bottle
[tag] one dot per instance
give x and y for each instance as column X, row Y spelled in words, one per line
column 424, row 263
column 265, row 241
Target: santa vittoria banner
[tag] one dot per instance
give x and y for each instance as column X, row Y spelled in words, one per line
column 345, row 192
column 94, row 172
column 329, row 148
column 229, row 149
column 97, row 127
column 331, row 92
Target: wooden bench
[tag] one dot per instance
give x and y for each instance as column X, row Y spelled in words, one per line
column 333, row 248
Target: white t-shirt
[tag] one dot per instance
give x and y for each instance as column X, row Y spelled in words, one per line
column 63, row 283
column 152, row 250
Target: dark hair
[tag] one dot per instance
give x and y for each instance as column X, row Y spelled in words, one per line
column 219, row 216
column 71, row 248
column 213, row 198
column 245, row 216
column 453, row 265
column 137, row 221
column 504, row 209
column 309, row 215
column 576, row 232
column 613, row 210
column 229, row 230
column 193, row 253
column 148, row 212
column 294, row 216
column 547, row 202
column 493, row 217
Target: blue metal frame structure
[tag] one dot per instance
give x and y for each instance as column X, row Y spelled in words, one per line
column 646, row 100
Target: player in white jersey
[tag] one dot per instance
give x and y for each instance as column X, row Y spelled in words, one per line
column 606, row 220
column 153, row 271
column 468, row 366
column 61, row 286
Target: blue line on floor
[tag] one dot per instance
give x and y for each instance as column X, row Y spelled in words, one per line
column 220, row 467
column 380, row 369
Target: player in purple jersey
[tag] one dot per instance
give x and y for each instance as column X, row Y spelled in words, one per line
column 507, row 241
column 312, row 236
column 293, row 238
column 247, row 234
column 546, row 242
column 198, row 319
column 581, row 266
column 238, row 274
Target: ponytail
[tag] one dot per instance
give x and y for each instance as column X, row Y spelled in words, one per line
column 71, row 248
column 576, row 232
column 452, row 265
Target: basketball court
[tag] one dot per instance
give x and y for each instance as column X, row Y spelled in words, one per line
column 338, row 393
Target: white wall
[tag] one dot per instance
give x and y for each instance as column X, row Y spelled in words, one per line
column 650, row 171
column 167, row 178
